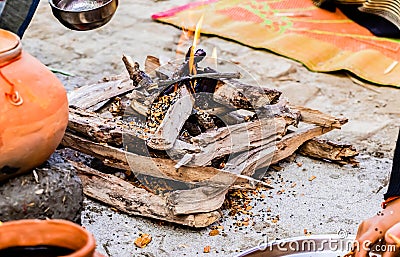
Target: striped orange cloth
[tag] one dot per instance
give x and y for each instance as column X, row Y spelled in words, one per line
column 323, row 41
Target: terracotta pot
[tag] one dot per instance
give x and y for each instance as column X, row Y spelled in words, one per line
column 33, row 109
column 59, row 233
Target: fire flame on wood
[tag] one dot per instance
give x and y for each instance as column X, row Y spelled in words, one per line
column 192, row 69
column 214, row 58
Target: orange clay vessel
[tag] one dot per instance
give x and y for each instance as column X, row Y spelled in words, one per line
column 57, row 233
column 33, row 109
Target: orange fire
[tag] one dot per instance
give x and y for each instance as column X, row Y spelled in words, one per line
column 214, row 57
column 212, row 62
column 214, row 53
column 192, row 69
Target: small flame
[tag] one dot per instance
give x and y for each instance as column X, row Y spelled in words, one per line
column 214, row 53
column 214, row 57
column 197, row 31
column 192, row 69
column 212, row 62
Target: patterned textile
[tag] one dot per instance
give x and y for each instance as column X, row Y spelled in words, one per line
column 323, row 41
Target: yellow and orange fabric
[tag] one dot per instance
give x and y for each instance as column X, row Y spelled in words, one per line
column 323, row 41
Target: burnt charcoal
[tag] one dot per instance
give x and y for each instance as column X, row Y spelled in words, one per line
column 146, row 80
column 218, row 122
column 138, row 77
column 204, row 101
column 161, row 186
column 198, row 57
column 220, row 162
column 153, row 153
column 206, row 85
column 191, row 126
column 171, row 88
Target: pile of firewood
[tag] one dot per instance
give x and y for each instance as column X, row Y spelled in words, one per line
column 187, row 134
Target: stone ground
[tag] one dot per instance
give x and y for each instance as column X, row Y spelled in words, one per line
column 337, row 200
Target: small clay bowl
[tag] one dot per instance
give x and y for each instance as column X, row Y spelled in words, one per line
column 50, row 233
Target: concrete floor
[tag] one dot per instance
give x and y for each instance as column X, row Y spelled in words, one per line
column 336, row 200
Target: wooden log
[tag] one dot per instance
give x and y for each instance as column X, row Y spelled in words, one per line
column 90, row 95
column 108, row 131
column 288, row 145
column 246, row 163
column 257, row 158
column 234, row 93
column 208, row 198
column 139, row 107
column 118, row 158
column 198, row 200
column 251, row 145
column 292, row 141
column 132, row 68
column 279, row 109
column 204, row 179
column 319, row 118
column 138, row 77
column 238, row 116
column 327, row 150
column 83, row 122
column 141, row 102
column 156, row 167
column 127, row 198
column 102, row 130
column 211, row 75
column 169, row 129
column 237, row 138
column 151, row 64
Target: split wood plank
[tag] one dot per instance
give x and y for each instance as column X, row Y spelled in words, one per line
column 156, row 167
column 319, row 118
column 177, row 114
column 231, row 92
column 127, row 198
column 237, row 138
column 328, row 150
column 91, row 95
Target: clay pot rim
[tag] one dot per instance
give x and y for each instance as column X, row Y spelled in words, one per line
column 88, row 249
column 8, row 55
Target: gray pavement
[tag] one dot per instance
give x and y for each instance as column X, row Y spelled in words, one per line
column 336, row 200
